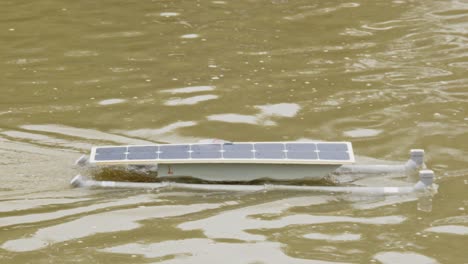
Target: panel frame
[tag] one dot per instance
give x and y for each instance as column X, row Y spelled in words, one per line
column 254, row 160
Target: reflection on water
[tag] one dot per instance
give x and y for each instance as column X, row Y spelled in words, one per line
column 37, row 217
column 206, row 250
column 190, row 100
column 118, row 220
column 449, row 229
column 388, row 75
column 17, row 205
column 396, row 257
column 334, row 237
column 267, row 112
column 111, row 101
column 219, row 226
column 192, row 89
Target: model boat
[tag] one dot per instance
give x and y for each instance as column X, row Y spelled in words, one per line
column 224, row 162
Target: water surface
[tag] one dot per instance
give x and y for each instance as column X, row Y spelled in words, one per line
column 387, row 75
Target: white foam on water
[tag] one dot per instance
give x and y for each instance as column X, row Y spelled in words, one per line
column 190, row 100
column 148, row 132
column 112, row 101
column 40, row 217
column 232, row 224
column 392, row 257
column 169, row 14
column 449, row 229
column 84, row 133
column 200, row 250
column 111, row 221
column 281, row 110
column 81, row 53
column 234, row 118
column 362, row 132
column 267, row 112
column 189, row 89
column 23, row 204
column 333, row 237
column 190, row 36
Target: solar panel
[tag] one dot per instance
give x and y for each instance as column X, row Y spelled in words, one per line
column 306, row 155
column 238, row 151
column 301, row 147
column 329, row 155
column 142, row 152
column 269, row 151
column 243, row 152
column 332, row 146
column 206, row 151
column 111, row 153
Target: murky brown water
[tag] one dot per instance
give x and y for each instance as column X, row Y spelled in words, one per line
column 387, row 75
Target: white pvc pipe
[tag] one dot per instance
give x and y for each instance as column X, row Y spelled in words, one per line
column 422, row 185
column 416, row 161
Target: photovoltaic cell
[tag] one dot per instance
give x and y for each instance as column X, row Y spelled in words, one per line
column 307, row 155
column 242, row 147
column 332, row 147
column 206, row 155
column 238, row 151
column 110, row 156
column 238, row 155
column 111, row 150
column 269, row 147
column 174, row 148
column 269, row 151
column 174, row 155
column 134, row 149
column 206, row 147
column 333, row 155
column 300, row 147
column 111, row 153
column 142, row 152
column 270, row 155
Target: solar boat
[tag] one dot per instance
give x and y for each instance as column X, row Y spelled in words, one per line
column 232, row 162
column 223, row 162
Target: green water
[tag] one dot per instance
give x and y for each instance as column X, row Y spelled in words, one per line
column 387, row 75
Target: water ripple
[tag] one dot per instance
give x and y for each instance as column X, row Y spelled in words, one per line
column 198, row 250
column 118, row 220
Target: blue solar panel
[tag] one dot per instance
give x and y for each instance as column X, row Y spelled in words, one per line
column 238, row 155
column 240, row 147
column 329, row 155
column 110, row 156
column 134, row 149
column 142, row 152
column 238, row 151
column 111, row 153
column 300, row 147
column 307, row 155
column 269, row 147
column 206, row 155
column 174, row 148
column 332, row 147
column 206, row 147
column 174, row 155
column 269, row 151
column 326, row 151
column 270, row 155
column 111, row 150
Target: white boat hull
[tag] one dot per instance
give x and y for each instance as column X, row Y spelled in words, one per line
column 246, row 172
